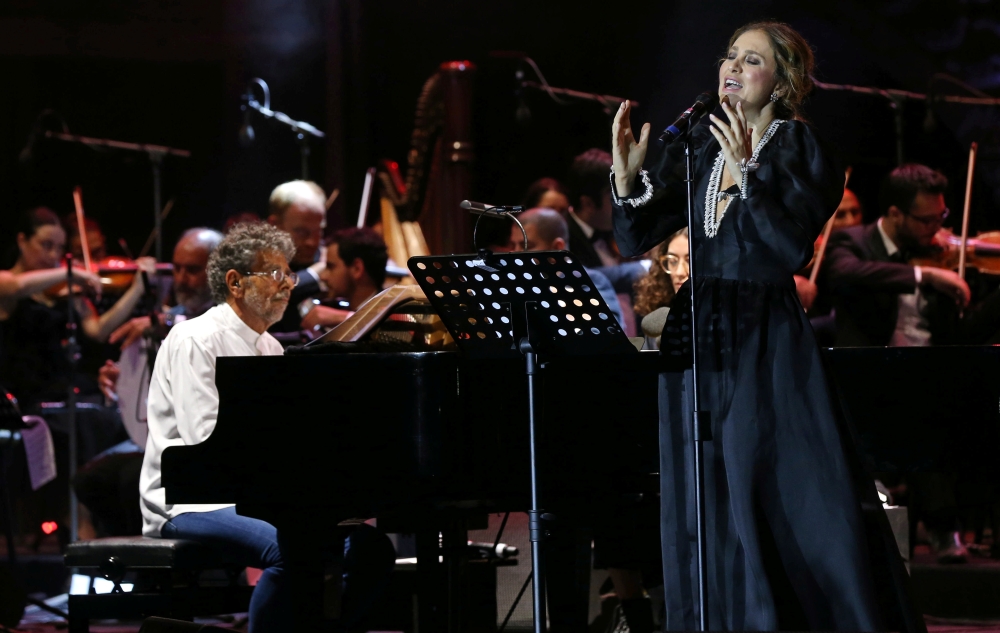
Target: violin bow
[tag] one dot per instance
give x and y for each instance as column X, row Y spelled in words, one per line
column 81, row 226
column 826, row 235
column 965, row 210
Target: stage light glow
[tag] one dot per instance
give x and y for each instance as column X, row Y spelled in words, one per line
column 49, row 527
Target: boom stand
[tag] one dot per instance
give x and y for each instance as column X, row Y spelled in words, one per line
column 701, row 420
column 522, row 304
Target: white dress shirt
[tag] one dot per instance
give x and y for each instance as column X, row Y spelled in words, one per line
column 912, row 327
column 183, row 400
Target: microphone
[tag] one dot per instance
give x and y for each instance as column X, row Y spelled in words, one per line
column 246, row 130
column 652, row 323
column 489, row 209
column 704, row 104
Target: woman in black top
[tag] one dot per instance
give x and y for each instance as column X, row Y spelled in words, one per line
column 788, row 545
column 33, row 361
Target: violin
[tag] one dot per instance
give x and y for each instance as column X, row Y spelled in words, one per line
column 981, row 252
column 118, row 272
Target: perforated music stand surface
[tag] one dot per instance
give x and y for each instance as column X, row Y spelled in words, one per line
column 483, row 303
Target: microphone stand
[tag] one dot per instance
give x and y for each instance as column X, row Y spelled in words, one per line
column 701, row 420
column 301, row 129
column 155, row 153
column 72, row 355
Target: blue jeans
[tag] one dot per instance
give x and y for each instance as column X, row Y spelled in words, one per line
column 368, row 561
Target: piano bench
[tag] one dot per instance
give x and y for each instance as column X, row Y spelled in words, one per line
column 167, row 581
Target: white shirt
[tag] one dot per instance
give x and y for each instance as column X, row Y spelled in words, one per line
column 183, row 402
column 912, row 327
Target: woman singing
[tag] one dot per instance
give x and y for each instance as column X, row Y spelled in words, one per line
column 788, row 544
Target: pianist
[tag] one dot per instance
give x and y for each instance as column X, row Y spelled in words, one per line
column 251, row 282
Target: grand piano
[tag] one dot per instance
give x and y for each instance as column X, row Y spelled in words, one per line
column 391, row 421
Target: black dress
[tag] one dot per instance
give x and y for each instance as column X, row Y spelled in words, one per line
column 790, row 545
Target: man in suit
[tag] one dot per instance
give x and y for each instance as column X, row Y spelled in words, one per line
column 590, row 231
column 882, row 299
column 298, row 207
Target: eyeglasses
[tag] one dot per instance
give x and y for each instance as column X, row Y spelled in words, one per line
column 672, row 263
column 934, row 220
column 277, row 275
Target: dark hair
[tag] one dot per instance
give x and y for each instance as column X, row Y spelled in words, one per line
column 72, row 228
column 901, row 186
column 538, row 189
column 589, row 176
column 35, row 219
column 366, row 245
column 794, row 63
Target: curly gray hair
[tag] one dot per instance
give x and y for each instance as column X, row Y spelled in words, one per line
column 239, row 250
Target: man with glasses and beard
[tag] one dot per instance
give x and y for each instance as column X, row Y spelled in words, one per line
column 881, row 298
column 251, row 282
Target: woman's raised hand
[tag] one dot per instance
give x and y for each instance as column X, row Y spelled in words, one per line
column 627, row 154
column 736, row 138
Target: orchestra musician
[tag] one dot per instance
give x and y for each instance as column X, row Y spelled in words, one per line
column 546, row 230
column 96, row 241
column 108, row 485
column 34, row 364
column 546, row 193
column 880, row 297
column 251, row 282
column 789, row 547
column 670, row 269
column 192, row 295
column 354, row 271
column 298, row 207
column 590, row 235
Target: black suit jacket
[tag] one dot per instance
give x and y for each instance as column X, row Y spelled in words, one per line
column 866, row 285
column 579, row 245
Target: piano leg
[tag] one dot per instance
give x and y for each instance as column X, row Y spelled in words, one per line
column 301, row 546
column 442, row 560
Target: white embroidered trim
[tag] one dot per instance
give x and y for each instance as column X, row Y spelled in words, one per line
column 713, row 195
column 642, row 200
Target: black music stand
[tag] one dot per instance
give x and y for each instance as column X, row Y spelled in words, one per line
column 514, row 304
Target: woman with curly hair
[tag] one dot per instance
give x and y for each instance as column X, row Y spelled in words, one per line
column 671, row 264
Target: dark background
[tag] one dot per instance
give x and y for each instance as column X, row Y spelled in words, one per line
column 172, row 73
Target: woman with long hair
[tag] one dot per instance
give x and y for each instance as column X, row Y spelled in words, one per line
column 789, row 547
column 33, row 360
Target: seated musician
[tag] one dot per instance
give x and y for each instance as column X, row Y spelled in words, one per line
column 354, row 272
column 96, row 241
column 33, row 363
column 546, row 230
column 192, row 296
column 108, row 485
column 880, row 297
column 251, row 281
column 547, row 193
column 298, row 207
column 671, row 268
